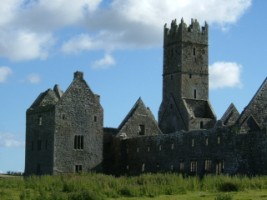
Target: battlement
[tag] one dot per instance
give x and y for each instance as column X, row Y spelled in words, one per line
column 183, row 33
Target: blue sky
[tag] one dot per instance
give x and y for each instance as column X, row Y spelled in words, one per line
column 118, row 46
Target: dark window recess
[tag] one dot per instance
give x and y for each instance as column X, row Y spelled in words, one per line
column 78, row 142
column 78, row 168
column 193, row 167
column 39, row 145
column 190, row 75
column 195, row 93
column 63, row 116
column 171, row 77
column 208, row 165
column 201, row 125
column 194, row 51
column 171, row 106
column 95, row 118
column 142, row 129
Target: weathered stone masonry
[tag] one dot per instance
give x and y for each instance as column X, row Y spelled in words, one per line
column 65, row 133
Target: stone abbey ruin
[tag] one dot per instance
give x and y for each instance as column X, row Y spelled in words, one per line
column 65, row 133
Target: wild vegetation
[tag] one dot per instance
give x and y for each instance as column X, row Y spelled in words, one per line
column 159, row 186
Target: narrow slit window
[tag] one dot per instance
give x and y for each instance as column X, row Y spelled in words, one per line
column 195, row 93
column 40, row 120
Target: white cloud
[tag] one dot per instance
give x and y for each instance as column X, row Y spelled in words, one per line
column 4, row 73
column 9, row 140
column 34, row 78
column 225, row 74
column 79, row 43
column 29, row 27
column 104, row 63
column 24, row 45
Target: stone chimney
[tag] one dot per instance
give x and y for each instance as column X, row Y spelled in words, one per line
column 78, row 75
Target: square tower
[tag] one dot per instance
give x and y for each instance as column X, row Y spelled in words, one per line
column 185, row 104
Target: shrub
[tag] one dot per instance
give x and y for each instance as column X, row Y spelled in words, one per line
column 227, row 187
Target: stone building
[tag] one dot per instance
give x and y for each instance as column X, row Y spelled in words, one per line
column 65, row 133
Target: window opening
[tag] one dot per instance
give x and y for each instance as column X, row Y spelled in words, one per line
column 208, row 165
column 201, row 125
column 95, row 118
column 40, row 120
column 78, row 142
column 195, row 93
column 219, row 140
column 181, row 166
column 78, row 168
column 172, row 147
column 143, row 167
column 193, row 142
column 207, row 141
column 193, row 167
column 142, row 129
column 194, row 51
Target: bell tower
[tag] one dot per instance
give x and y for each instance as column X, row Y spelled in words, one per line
column 185, row 78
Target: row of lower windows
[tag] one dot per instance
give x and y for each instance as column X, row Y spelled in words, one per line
column 193, row 143
column 219, row 166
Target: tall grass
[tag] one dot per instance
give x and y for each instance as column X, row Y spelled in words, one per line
column 98, row 186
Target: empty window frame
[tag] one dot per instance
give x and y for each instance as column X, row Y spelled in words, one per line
column 208, row 165
column 207, row 141
column 143, row 167
column 172, row 146
column 181, row 166
column 78, row 168
column 193, row 166
column 78, row 142
column 95, row 118
column 193, row 142
column 142, row 129
column 40, row 120
column 195, row 93
column 218, row 140
column 201, row 125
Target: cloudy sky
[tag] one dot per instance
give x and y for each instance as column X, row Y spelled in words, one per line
column 118, row 46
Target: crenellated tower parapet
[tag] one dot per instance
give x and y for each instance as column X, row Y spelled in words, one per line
column 182, row 33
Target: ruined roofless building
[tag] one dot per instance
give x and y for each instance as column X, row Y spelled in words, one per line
column 65, row 133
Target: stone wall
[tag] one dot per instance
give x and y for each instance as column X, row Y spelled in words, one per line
column 193, row 153
column 78, row 114
column 40, row 124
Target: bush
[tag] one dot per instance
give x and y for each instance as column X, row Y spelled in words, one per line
column 228, row 187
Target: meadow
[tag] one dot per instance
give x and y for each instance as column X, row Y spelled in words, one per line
column 147, row 186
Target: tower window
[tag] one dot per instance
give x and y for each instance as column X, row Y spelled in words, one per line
column 78, row 142
column 190, row 75
column 194, row 51
column 207, row 141
column 195, row 93
column 95, row 118
column 208, row 165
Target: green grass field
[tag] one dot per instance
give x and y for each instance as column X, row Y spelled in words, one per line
column 148, row 186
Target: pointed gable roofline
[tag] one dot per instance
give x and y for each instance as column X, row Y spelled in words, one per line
column 137, row 104
column 248, row 110
column 49, row 97
column 230, row 116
